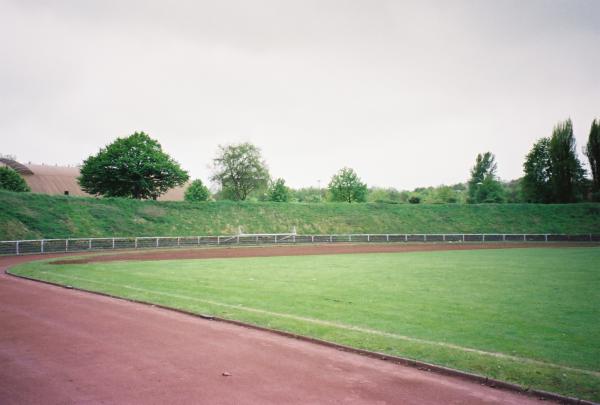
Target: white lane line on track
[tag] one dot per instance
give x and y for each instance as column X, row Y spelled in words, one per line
column 334, row 324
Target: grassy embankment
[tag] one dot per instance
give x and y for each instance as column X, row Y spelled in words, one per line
column 528, row 316
column 33, row 216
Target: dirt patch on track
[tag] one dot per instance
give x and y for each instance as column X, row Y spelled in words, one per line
column 300, row 250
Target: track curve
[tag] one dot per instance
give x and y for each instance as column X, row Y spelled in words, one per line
column 64, row 346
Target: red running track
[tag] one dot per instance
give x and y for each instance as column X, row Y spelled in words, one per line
column 61, row 346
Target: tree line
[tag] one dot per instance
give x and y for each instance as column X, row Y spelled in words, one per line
column 136, row 167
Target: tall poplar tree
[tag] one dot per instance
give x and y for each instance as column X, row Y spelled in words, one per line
column 567, row 173
column 592, row 151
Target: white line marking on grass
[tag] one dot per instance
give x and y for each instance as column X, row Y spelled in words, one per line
column 336, row 325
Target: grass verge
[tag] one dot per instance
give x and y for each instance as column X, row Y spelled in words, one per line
column 35, row 216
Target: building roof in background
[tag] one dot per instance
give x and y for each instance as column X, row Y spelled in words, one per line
column 16, row 166
column 54, row 180
column 57, row 180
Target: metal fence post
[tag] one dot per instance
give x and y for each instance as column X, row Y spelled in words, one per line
column 17, row 247
column 66, row 245
column 349, row 237
column 90, row 243
column 368, row 238
column 546, row 237
column 387, row 237
column 312, row 238
column 425, row 238
column 42, row 246
column 113, row 243
column 218, row 240
column 157, row 241
column 135, row 243
column 178, row 240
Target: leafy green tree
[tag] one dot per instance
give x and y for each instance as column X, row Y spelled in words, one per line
column 490, row 191
column 566, row 171
column 196, row 191
column 279, row 192
column 12, row 181
column 592, row 151
column 240, row 170
column 346, row 186
column 536, row 184
column 483, row 185
column 132, row 167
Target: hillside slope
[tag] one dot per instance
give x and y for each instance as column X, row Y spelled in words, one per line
column 32, row 216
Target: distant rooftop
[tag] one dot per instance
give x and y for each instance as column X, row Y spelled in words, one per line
column 62, row 180
column 16, row 166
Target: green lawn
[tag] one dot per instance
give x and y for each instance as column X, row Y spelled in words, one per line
column 529, row 316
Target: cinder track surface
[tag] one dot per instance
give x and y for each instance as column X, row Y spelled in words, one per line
column 60, row 346
column 299, row 250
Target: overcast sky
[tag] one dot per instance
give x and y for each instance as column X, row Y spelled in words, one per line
column 406, row 93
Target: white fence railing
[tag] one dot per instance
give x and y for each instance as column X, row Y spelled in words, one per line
column 19, row 247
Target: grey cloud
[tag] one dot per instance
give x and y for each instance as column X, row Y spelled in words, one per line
column 405, row 92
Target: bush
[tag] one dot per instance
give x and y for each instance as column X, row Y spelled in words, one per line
column 414, row 199
column 196, row 191
column 279, row 192
column 12, row 181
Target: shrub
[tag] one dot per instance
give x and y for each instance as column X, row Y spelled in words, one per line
column 414, row 199
column 12, row 181
column 196, row 191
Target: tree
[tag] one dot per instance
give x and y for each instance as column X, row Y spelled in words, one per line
column 553, row 172
column 566, row 172
column 592, row 151
column 279, row 192
column 12, row 181
column 346, row 186
column 132, row 167
column 240, row 169
column 536, row 184
column 483, row 185
column 490, row 191
column 196, row 191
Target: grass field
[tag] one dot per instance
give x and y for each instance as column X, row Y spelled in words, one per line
column 35, row 216
column 529, row 316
